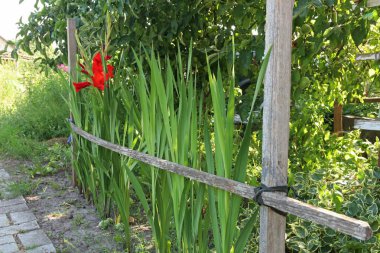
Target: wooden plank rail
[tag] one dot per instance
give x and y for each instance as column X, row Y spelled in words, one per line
column 371, row 99
column 342, row 223
column 367, row 124
column 365, row 57
column 367, row 100
column 353, row 227
column 373, row 3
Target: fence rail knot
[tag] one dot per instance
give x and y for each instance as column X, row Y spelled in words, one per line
column 263, row 188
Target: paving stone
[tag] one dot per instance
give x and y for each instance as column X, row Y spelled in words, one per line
column 42, row 249
column 33, row 239
column 7, row 239
column 14, row 208
column 4, row 191
column 21, row 217
column 24, row 225
column 9, row 248
column 4, row 220
column 14, row 229
column 5, row 181
column 4, row 174
column 11, row 202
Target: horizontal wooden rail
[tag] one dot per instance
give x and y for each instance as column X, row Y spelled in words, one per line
column 366, row 100
column 353, row 227
column 364, row 57
column 339, row 222
column 373, row 3
column 371, row 99
column 367, row 124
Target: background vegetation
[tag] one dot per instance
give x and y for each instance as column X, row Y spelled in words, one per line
column 32, row 109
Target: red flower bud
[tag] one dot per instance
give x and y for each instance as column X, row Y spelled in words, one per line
column 98, row 76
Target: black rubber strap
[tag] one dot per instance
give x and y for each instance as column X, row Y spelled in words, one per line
column 263, row 188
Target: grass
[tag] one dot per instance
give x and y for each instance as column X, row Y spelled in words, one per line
column 23, row 187
column 32, row 109
column 79, row 220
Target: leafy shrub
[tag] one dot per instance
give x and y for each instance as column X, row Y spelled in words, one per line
column 32, row 108
column 336, row 173
column 54, row 159
column 11, row 87
column 41, row 114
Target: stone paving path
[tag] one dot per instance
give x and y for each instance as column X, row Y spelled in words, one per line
column 19, row 230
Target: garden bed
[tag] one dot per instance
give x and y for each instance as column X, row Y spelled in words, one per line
column 71, row 223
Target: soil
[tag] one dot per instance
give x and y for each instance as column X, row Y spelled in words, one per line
column 68, row 219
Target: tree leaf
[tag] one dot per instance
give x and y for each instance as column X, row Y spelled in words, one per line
column 359, row 32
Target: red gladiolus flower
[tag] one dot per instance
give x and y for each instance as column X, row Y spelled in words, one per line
column 81, row 85
column 98, row 76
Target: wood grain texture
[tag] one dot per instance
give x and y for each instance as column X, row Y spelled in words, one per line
column 365, row 57
column 72, row 48
column 338, row 118
column 367, row 124
column 72, row 60
column 373, row 3
column 366, row 100
column 275, row 200
column 371, row 100
column 278, row 35
column 344, row 224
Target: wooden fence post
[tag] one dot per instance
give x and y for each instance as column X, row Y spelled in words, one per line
column 338, row 118
column 72, row 61
column 279, row 16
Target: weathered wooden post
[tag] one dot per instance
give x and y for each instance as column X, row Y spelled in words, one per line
column 338, row 118
column 279, row 16
column 72, row 62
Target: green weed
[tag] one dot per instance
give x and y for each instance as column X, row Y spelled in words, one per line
column 53, row 159
column 79, row 220
column 105, row 224
column 23, row 188
column 55, row 186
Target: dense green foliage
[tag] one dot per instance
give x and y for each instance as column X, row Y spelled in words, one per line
column 32, row 108
column 165, row 23
column 321, row 28
column 326, row 36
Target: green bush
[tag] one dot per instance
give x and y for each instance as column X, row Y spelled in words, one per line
column 11, row 87
column 32, row 108
column 41, row 114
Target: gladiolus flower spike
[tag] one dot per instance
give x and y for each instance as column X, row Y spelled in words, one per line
column 98, row 77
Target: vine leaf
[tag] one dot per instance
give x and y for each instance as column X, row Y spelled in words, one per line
column 360, row 31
